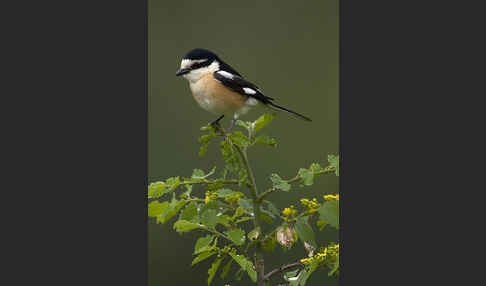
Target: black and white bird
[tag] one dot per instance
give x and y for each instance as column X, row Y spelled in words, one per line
column 220, row 89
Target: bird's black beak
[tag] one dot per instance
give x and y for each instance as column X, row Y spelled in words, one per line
column 182, row 71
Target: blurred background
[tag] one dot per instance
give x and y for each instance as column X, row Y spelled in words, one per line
column 289, row 49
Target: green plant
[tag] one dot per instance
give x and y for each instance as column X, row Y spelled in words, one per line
column 237, row 221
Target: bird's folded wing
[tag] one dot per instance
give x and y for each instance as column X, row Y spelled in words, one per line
column 241, row 86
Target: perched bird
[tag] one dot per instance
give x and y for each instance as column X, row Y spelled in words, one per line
column 220, row 89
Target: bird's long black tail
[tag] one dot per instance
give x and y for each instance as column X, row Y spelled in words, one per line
column 273, row 106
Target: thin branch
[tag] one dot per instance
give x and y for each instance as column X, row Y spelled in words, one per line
column 282, row 269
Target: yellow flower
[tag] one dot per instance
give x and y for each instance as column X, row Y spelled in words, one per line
column 331, row 197
column 289, row 212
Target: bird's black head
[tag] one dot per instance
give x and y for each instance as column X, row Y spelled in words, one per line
column 202, row 58
column 200, row 54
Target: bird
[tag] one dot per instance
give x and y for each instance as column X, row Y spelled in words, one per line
column 220, row 89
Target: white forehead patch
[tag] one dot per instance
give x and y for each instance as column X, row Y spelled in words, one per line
column 185, row 63
column 249, row 90
column 196, row 74
column 226, row 74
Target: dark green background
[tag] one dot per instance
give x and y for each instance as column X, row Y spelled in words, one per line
column 287, row 48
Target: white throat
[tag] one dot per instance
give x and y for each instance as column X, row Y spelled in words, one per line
column 195, row 75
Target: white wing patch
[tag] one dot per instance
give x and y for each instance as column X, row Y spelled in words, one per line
column 226, row 74
column 249, row 90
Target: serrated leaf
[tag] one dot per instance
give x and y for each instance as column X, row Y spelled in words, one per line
column 262, row 121
column 305, row 232
column 209, row 218
column 202, row 256
column 171, row 184
column 239, row 139
column 279, row 183
column 226, row 269
column 265, row 140
column 307, row 176
column 189, row 213
column 214, row 268
column 156, row 208
column 329, row 212
column 243, row 124
column 245, row 264
column 203, row 243
column 237, row 236
column 156, row 190
column 185, row 226
column 197, row 173
column 173, row 208
column 316, row 168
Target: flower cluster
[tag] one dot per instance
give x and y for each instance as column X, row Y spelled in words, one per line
column 325, row 255
column 331, row 197
column 311, row 205
column 289, row 213
column 210, row 196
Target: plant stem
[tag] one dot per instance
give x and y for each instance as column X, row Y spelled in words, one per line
column 259, row 261
column 282, row 269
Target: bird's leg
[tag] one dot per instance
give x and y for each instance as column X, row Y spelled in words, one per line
column 215, row 124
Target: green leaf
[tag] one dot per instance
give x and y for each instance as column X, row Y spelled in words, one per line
column 316, row 168
column 223, row 193
column 273, row 209
column 239, row 139
column 245, row 264
column 184, row 226
column 329, row 212
column 307, row 176
column 262, row 121
column 335, row 267
column 270, row 243
column 171, row 184
column 244, row 124
column 279, row 183
column 237, row 236
column 226, row 269
column 202, row 256
column 334, row 162
column 265, row 140
column 305, row 232
column 156, row 208
column 209, row 218
column 203, row 243
column 213, row 269
column 189, row 213
column 254, row 234
column 243, row 219
column 173, row 208
column 321, row 224
column 156, row 190
column 239, row 212
column 246, row 204
column 224, row 220
column 199, row 174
